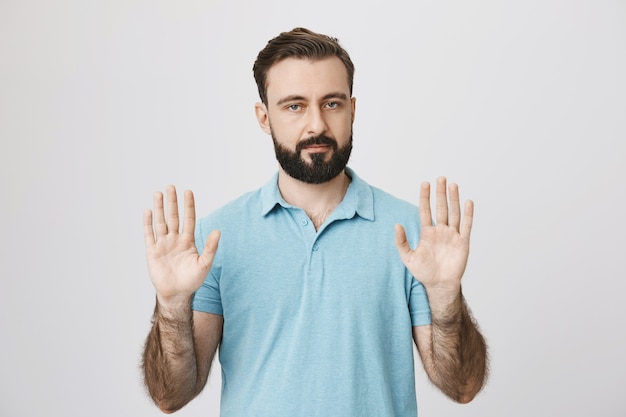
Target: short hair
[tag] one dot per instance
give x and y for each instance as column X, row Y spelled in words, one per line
column 298, row 43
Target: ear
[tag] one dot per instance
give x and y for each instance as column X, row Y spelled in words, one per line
column 353, row 102
column 262, row 117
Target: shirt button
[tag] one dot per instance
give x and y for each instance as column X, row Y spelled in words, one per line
column 304, row 222
column 315, row 247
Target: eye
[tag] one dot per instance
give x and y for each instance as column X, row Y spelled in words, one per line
column 294, row 107
column 332, row 104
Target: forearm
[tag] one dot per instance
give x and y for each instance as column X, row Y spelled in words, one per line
column 169, row 360
column 458, row 365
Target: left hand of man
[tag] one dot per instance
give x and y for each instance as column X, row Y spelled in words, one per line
column 440, row 258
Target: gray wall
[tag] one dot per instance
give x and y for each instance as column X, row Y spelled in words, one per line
column 520, row 102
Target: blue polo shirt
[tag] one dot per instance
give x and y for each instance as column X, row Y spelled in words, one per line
column 316, row 323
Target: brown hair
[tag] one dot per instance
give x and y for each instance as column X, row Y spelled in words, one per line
column 298, row 43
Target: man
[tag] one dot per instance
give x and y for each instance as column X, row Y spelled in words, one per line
column 315, row 309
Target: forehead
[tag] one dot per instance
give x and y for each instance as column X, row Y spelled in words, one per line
column 306, row 78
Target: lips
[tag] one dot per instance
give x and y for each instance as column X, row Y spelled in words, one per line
column 320, row 143
column 317, row 148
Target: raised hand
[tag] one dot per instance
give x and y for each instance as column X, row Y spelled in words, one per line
column 175, row 267
column 440, row 258
column 452, row 349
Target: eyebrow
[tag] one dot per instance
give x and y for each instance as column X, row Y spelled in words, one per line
column 295, row 97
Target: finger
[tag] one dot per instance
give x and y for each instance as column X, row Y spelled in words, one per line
column 172, row 209
column 148, row 232
column 442, row 201
column 468, row 219
column 159, row 216
column 426, row 218
column 400, row 238
column 454, row 215
column 189, row 223
column 210, row 248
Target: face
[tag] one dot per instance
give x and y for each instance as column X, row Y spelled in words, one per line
column 309, row 115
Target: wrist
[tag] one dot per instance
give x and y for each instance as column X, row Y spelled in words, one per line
column 445, row 306
column 173, row 307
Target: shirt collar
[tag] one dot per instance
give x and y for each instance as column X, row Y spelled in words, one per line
column 358, row 199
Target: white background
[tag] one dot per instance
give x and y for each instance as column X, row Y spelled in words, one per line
column 523, row 103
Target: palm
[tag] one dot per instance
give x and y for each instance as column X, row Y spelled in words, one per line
column 439, row 260
column 175, row 266
column 440, row 257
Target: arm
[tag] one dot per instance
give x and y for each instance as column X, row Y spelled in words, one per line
column 178, row 354
column 452, row 349
column 454, row 354
column 181, row 344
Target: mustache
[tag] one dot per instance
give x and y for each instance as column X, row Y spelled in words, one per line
column 317, row 140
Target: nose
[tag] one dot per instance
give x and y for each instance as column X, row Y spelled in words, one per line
column 316, row 123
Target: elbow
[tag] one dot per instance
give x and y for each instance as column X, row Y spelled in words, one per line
column 465, row 398
column 459, row 394
column 168, row 404
column 167, row 401
column 166, row 410
column 466, row 394
column 167, row 407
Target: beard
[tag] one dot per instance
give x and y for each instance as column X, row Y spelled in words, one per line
column 318, row 170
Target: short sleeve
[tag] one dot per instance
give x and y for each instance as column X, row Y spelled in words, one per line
column 419, row 309
column 207, row 298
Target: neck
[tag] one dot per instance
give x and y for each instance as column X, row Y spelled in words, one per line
column 317, row 200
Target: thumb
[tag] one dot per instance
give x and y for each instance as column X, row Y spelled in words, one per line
column 401, row 242
column 210, row 247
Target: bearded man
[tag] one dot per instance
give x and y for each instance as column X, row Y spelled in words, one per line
column 315, row 295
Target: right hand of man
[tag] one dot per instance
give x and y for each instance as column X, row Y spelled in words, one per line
column 175, row 267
